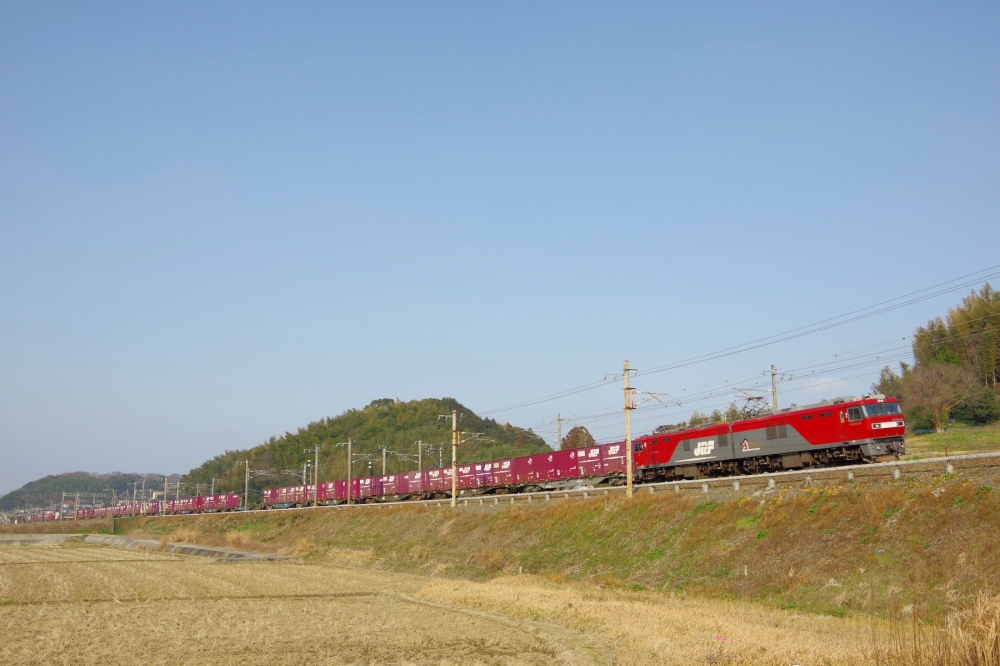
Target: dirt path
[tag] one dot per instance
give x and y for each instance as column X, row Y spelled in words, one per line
column 95, row 605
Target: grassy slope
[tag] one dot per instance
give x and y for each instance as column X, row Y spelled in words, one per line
column 836, row 550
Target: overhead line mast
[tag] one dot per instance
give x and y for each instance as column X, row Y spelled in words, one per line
column 454, row 457
column 774, row 390
column 629, row 406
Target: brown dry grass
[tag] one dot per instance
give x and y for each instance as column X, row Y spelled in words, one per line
column 647, row 628
column 969, row 636
column 95, row 605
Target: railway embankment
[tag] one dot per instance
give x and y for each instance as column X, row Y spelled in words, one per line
column 923, row 539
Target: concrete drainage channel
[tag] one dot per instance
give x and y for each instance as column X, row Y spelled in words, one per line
column 192, row 550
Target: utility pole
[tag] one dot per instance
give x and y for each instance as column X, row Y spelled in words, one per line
column 558, row 432
column 212, row 491
column 420, row 455
column 454, row 458
column 246, row 484
column 315, row 475
column 774, row 390
column 628, row 431
column 383, row 461
column 455, row 441
column 349, row 443
column 111, row 511
column 76, row 505
column 62, row 507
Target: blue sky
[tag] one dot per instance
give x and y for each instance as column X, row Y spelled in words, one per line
column 222, row 221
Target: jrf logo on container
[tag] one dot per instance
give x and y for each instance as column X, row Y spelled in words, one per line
column 704, row 448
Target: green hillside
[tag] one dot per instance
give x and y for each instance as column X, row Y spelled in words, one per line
column 397, row 426
column 48, row 490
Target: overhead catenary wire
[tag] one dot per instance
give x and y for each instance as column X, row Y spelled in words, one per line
column 939, row 289
column 881, row 356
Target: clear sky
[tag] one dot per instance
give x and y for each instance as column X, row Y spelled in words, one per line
column 221, row 221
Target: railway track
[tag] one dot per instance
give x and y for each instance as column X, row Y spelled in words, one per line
column 799, row 478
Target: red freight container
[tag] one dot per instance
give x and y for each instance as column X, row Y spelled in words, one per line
column 388, row 483
column 503, row 473
column 269, row 496
column 369, row 486
column 416, row 482
column 293, row 495
column 183, row 505
column 537, row 468
column 566, row 464
column 524, row 470
column 438, row 480
column 467, row 477
column 223, row 502
column 589, row 461
column 613, row 458
column 484, row 473
column 327, row 492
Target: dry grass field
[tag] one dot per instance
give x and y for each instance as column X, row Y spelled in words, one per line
column 647, row 629
column 78, row 604
column 95, row 605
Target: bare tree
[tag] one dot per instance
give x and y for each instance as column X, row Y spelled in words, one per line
column 937, row 388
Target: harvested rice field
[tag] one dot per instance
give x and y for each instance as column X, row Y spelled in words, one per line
column 85, row 604
column 81, row 605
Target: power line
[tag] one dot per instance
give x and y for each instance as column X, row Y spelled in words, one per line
column 827, row 324
column 882, row 307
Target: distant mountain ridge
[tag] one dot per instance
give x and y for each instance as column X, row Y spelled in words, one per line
column 388, row 423
column 48, row 490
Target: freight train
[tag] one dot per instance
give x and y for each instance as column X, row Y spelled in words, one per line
column 834, row 432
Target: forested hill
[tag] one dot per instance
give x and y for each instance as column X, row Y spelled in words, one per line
column 397, row 426
column 48, row 490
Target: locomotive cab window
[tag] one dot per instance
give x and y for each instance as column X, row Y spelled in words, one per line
column 854, row 413
column 882, row 409
column 638, row 447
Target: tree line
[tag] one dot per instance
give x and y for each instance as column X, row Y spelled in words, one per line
column 957, row 364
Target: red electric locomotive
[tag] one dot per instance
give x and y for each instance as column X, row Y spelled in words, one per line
column 839, row 431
